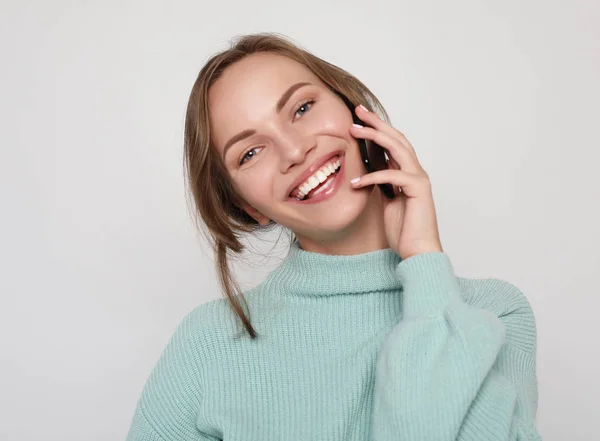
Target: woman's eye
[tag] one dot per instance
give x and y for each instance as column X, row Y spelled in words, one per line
column 243, row 160
column 304, row 107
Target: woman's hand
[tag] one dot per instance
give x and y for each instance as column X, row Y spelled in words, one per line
column 410, row 219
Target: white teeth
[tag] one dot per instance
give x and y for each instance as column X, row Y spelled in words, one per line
column 313, row 182
column 319, row 177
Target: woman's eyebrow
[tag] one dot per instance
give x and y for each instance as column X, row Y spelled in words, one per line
column 280, row 104
column 288, row 93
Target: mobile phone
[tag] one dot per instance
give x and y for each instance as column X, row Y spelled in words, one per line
column 373, row 155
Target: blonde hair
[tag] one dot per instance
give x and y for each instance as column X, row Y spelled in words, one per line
column 218, row 214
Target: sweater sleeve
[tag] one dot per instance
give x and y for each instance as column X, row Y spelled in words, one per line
column 450, row 371
column 167, row 407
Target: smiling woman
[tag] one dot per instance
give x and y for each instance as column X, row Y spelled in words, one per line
column 270, row 103
column 366, row 333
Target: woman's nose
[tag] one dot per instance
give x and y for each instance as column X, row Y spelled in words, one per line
column 293, row 151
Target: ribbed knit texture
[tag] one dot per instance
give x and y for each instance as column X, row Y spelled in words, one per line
column 352, row 348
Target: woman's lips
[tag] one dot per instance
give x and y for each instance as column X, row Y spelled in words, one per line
column 296, row 190
column 330, row 191
column 314, row 168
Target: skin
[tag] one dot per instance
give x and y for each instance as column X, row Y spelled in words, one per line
column 358, row 218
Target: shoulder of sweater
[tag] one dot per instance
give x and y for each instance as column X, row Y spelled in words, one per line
column 508, row 303
column 210, row 322
column 496, row 295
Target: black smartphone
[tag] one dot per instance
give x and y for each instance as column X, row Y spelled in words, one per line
column 373, row 155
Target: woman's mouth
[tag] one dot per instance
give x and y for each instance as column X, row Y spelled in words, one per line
column 322, row 185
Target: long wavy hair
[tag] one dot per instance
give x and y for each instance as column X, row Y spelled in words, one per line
column 216, row 211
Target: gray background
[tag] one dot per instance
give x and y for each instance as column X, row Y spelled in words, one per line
column 99, row 258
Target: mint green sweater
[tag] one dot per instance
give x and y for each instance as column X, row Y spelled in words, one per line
column 352, row 348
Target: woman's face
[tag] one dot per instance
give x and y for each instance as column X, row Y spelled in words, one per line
column 273, row 121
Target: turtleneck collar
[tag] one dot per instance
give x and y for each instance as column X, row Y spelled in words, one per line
column 306, row 273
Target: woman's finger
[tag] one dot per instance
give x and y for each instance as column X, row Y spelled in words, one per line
column 395, row 166
column 374, row 120
column 411, row 185
column 396, row 150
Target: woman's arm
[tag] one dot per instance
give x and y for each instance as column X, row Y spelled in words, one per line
column 167, row 407
column 449, row 371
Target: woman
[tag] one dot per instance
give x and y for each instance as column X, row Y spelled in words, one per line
column 363, row 332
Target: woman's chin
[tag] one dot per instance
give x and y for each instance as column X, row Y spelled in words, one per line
column 330, row 223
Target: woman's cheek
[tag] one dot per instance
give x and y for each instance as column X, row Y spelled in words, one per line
column 335, row 121
column 257, row 188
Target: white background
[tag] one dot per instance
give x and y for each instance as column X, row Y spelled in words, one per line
column 99, row 258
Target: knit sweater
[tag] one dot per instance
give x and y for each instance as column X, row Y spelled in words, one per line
column 350, row 348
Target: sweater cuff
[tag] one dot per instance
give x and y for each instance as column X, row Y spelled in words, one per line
column 429, row 284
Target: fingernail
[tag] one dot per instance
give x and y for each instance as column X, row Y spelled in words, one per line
column 366, row 110
column 355, row 180
column 358, row 126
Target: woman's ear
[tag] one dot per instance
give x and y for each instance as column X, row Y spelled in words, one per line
column 257, row 215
